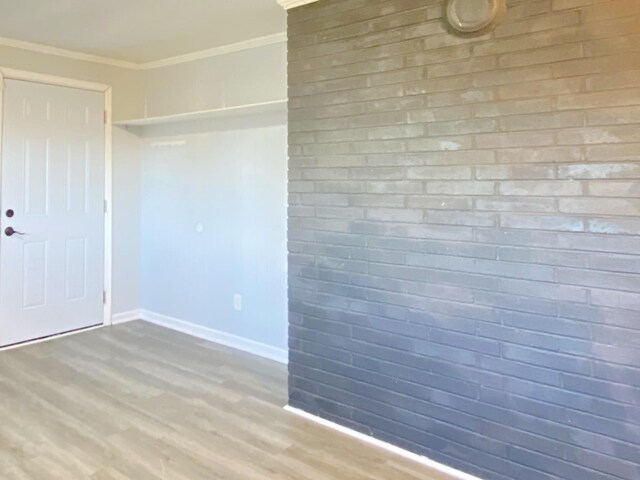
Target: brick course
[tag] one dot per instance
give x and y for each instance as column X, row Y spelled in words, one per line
column 464, row 232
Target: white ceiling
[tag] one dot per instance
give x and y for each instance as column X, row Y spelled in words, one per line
column 139, row 31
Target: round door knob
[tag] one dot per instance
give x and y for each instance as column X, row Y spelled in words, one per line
column 10, row 231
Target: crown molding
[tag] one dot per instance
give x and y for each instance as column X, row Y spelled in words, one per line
column 289, row 4
column 189, row 57
column 217, row 51
column 61, row 52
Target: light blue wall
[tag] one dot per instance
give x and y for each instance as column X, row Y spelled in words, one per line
column 126, row 221
column 232, row 182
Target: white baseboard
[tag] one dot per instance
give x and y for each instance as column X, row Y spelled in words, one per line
column 452, row 472
column 126, row 317
column 216, row 336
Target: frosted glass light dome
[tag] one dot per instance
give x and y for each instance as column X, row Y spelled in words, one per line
column 469, row 16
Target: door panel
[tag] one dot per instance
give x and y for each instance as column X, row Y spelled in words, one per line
column 53, row 177
column 36, row 176
column 34, row 275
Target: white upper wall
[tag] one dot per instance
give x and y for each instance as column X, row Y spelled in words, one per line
column 245, row 77
column 161, row 57
column 128, row 97
column 240, row 77
column 142, row 30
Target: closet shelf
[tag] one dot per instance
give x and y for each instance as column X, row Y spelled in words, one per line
column 218, row 113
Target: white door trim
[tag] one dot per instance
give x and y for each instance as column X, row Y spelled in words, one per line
column 12, row 74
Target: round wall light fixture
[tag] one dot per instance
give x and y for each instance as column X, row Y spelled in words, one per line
column 471, row 16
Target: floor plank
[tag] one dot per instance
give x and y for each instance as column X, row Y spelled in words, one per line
column 141, row 402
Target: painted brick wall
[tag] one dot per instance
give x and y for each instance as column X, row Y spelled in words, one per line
column 464, row 232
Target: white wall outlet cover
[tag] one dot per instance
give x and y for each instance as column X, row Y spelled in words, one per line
column 469, row 16
column 237, row 302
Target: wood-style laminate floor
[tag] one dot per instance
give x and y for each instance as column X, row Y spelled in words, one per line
column 138, row 402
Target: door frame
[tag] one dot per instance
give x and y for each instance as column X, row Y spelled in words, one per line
column 12, row 74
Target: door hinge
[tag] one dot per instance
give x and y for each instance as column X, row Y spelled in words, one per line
column 106, row 117
column 104, row 297
column 106, row 206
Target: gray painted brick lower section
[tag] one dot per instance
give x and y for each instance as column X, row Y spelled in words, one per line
column 464, row 232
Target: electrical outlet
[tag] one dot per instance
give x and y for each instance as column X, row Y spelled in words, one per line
column 237, row 302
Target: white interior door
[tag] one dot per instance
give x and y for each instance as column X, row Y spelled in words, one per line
column 52, row 200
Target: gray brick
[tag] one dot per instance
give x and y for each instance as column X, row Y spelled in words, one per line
column 598, row 135
column 568, row 293
column 612, row 298
column 598, row 171
column 549, row 325
column 383, row 173
column 616, row 263
column 463, row 271
column 371, row 200
column 513, row 107
column 476, row 157
column 603, row 188
column 522, row 205
column 461, row 188
column 482, row 345
column 559, row 362
column 514, row 172
column 325, row 174
column 515, row 270
column 339, row 212
column 438, row 85
column 539, row 56
column 542, row 222
column 540, row 155
column 515, row 139
column 439, row 114
column 620, row 226
column 395, row 215
column 394, row 187
column 541, row 188
column 515, row 302
column 462, row 127
column 340, row 187
column 451, row 99
column 594, row 206
column 377, row 159
column 431, row 144
column 405, row 131
column 552, row 466
column 615, row 281
column 440, row 173
column 548, row 257
column 602, row 389
column 508, row 368
column 611, row 428
column 433, row 202
column 461, row 218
